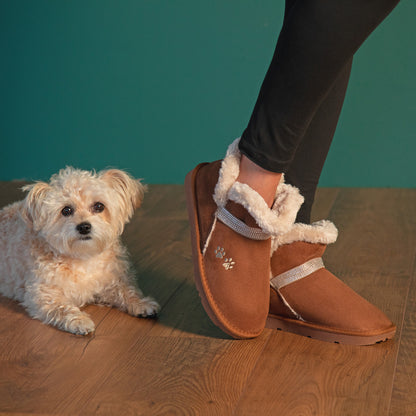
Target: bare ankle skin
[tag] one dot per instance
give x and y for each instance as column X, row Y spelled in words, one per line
column 259, row 179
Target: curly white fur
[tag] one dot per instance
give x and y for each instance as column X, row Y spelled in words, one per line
column 52, row 268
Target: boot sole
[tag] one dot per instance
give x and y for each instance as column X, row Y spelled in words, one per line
column 325, row 334
column 197, row 258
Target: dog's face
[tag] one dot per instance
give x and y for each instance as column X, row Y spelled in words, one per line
column 81, row 213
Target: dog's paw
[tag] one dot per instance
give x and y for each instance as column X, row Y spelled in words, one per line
column 144, row 308
column 81, row 324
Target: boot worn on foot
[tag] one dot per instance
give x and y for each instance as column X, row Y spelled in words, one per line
column 308, row 300
column 231, row 226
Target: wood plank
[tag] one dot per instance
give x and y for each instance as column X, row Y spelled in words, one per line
column 301, row 376
column 324, row 201
column 167, row 201
column 159, row 244
column 11, row 192
column 372, row 224
column 184, row 316
column 173, row 376
column 46, row 370
column 120, row 370
column 30, row 355
column 404, row 389
column 374, row 255
column 160, row 252
column 38, row 359
column 375, row 248
column 164, row 267
column 183, row 364
column 160, row 265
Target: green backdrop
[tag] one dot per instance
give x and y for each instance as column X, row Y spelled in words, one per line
column 157, row 86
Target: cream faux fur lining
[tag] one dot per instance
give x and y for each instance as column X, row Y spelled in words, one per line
column 228, row 174
column 323, row 232
column 275, row 221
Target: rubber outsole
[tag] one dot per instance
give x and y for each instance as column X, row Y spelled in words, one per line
column 323, row 334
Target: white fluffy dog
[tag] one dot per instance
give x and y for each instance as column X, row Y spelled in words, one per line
column 60, row 248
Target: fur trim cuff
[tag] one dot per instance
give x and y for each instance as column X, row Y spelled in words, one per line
column 323, row 232
column 275, row 221
column 230, row 169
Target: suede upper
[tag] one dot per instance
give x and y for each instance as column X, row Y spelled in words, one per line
column 321, row 299
column 232, row 266
column 235, row 288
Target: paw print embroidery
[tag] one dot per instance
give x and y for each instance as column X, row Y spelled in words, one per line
column 219, row 252
column 228, row 264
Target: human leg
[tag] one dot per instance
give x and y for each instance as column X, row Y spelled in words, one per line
column 317, row 41
column 305, row 297
column 233, row 299
column 306, row 167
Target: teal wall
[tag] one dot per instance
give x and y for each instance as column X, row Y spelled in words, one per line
column 156, row 86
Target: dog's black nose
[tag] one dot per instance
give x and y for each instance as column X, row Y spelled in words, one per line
column 84, row 228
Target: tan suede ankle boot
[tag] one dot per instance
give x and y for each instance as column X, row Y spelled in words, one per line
column 231, row 226
column 308, row 300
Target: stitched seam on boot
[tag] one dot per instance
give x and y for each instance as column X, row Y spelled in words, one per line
column 297, row 315
column 209, row 236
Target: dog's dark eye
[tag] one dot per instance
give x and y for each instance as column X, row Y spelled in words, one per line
column 98, row 207
column 67, row 211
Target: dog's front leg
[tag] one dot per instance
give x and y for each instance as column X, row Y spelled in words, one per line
column 129, row 298
column 49, row 305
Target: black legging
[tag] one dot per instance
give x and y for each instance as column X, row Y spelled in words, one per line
column 298, row 107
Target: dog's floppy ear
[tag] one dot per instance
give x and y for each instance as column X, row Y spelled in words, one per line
column 31, row 211
column 130, row 190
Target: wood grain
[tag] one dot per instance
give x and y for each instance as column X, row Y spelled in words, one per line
column 186, row 376
column 301, row 376
column 181, row 364
column 324, row 201
column 404, row 389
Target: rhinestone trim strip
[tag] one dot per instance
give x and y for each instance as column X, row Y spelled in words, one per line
column 297, row 273
column 239, row 226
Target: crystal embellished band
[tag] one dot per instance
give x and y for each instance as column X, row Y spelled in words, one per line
column 239, row 226
column 297, row 273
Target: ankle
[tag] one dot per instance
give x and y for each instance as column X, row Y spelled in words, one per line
column 264, row 182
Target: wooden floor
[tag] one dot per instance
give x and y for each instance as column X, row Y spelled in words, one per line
column 183, row 365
